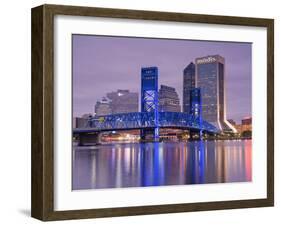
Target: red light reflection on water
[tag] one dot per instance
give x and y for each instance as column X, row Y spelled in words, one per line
column 248, row 159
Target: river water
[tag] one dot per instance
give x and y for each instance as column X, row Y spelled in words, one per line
column 159, row 164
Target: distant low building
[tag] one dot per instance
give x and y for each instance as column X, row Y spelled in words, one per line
column 245, row 127
column 247, row 121
column 103, row 107
column 168, row 99
column 79, row 122
column 123, row 101
column 246, row 124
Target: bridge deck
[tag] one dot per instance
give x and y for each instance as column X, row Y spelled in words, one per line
column 145, row 120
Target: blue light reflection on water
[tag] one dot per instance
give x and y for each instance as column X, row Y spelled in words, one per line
column 159, row 164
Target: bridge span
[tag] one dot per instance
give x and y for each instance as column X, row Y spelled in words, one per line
column 149, row 120
column 143, row 121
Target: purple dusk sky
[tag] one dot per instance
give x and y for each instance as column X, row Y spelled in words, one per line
column 102, row 64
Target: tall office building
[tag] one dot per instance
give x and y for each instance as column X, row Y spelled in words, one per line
column 123, row 101
column 188, row 85
column 103, row 107
column 210, row 78
column 168, row 99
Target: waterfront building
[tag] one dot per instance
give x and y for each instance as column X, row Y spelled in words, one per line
column 246, row 124
column 123, row 101
column 103, row 107
column 79, row 122
column 210, row 77
column 168, row 99
column 245, row 127
column 188, row 85
column 246, row 121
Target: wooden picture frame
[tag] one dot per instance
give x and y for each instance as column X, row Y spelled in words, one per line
column 42, row 203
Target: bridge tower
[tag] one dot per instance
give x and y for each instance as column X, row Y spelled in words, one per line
column 149, row 100
column 196, row 107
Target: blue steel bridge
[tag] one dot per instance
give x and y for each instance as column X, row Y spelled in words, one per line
column 150, row 120
column 146, row 120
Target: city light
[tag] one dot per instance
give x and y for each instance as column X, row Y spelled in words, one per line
column 157, row 125
column 161, row 108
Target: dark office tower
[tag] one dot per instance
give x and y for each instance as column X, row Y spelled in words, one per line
column 169, row 99
column 210, row 77
column 188, row 85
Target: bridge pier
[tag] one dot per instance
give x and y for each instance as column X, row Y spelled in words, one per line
column 150, row 134
column 196, row 135
column 87, row 139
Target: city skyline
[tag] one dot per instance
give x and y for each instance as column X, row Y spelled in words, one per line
column 119, row 60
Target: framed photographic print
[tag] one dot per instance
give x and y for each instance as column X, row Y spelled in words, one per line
column 141, row 112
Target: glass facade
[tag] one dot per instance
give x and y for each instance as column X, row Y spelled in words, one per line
column 207, row 81
column 188, row 85
column 221, row 89
column 210, row 77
